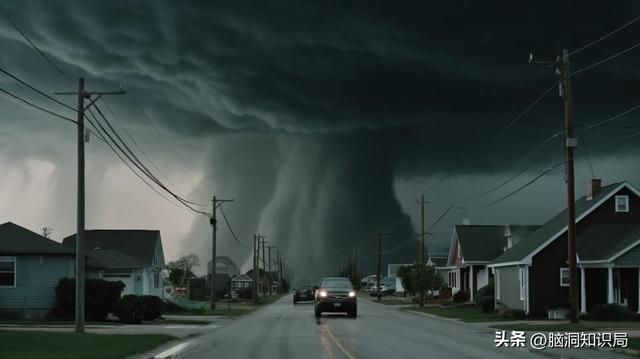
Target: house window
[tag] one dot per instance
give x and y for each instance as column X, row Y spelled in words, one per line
column 523, row 281
column 622, row 203
column 452, row 279
column 7, row 271
column 156, row 279
column 497, row 279
column 564, row 277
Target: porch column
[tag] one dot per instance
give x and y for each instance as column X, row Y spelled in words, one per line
column 610, row 285
column 583, row 294
column 471, row 282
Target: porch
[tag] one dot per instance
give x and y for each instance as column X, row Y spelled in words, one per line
column 615, row 285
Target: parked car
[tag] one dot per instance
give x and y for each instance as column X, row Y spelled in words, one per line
column 384, row 291
column 336, row 295
column 303, row 293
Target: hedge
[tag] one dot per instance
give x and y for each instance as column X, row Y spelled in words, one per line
column 101, row 298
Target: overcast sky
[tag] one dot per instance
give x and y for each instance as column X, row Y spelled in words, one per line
column 325, row 122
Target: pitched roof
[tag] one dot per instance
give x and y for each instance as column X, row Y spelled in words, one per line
column 242, row 278
column 556, row 224
column 109, row 258
column 602, row 242
column 15, row 239
column 481, row 243
column 139, row 244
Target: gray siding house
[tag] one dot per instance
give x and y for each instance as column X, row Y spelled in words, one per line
column 30, row 267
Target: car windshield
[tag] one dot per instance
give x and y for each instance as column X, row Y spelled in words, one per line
column 336, row 283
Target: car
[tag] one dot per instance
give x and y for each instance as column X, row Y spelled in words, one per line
column 303, row 293
column 335, row 295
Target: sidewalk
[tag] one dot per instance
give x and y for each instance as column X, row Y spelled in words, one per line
column 176, row 330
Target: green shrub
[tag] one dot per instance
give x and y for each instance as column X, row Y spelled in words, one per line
column 487, row 290
column 131, row 309
column 101, row 298
column 461, row 297
column 152, row 307
column 612, row 312
column 486, row 303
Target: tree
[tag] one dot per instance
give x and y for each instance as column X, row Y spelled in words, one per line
column 182, row 269
column 47, row 231
column 406, row 278
column 419, row 278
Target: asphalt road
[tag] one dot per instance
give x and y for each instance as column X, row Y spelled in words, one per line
column 282, row 330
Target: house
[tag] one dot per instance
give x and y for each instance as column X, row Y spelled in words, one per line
column 473, row 247
column 30, row 268
column 241, row 281
column 533, row 274
column 134, row 257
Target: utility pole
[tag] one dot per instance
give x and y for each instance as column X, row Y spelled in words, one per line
column 571, row 143
column 215, row 203
column 269, row 265
column 353, row 264
column 421, row 257
column 80, row 237
column 361, row 248
column 254, row 291
column 379, row 233
column 264, row 269
column 563, row 68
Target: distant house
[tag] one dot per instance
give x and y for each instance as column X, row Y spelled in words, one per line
column 30, row 267
column 241, row 281
column 134, row 257
column 533, row 275
column 473, row 247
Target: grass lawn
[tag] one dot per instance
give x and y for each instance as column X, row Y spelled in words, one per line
column 466, row 314
column 583, row 325
column 53, row 345
column 392, row 301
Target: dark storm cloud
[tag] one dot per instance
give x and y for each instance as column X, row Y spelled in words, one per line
column 312, row 111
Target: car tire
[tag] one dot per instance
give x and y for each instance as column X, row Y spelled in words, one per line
column 354, row 313
column 295, row 301
column 318, row 313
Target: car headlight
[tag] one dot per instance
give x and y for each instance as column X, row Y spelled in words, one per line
column 323, row 293
column 352, row 294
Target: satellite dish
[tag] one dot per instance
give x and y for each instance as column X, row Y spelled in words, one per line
column 466, row 221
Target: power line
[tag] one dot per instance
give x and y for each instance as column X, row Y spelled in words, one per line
column 65, row 74
column 34, row 46
column 137, row 163
column 527, row 109
column 224, row 216
column 604, row 60
column 611, row 119
column 175, row 152
column 33, row 105
column 604, row 37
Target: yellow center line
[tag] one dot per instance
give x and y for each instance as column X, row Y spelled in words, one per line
column 342, row 348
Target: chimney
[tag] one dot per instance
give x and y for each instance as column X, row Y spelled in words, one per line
column 594, row 188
